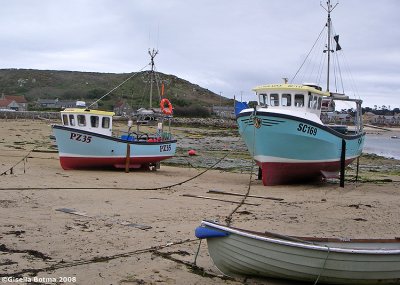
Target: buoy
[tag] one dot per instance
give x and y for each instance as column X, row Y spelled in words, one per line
column 192, row 152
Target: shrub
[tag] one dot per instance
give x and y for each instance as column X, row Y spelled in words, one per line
column 192, row 111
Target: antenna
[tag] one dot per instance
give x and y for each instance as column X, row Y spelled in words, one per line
column 158, row 35
column 329, row 8
column 152, row 54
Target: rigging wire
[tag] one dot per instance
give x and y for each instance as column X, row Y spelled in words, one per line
column 340, row 71
column 339, row 60
column 144, row 92
column 153, row 74
column 149, row 78
column 301, row 66
column 335, row 71
column 336, row 65
column 157, row 79
column 322, row 62
column 352, row 82
column 119, row 85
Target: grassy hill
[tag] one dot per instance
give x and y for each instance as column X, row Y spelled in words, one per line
column 89, row 86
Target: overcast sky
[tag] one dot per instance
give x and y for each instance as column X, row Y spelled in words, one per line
column 227, row 46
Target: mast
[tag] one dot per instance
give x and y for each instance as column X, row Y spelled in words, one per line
column 152, row 54
column 329, row 8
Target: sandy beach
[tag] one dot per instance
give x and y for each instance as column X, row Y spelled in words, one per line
column 131, row 228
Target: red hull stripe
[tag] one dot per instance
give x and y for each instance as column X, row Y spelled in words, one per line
column 106, row 162
column 278, row 173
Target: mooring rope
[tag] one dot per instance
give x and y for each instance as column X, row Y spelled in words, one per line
column 143, row 189
column 24, row 159
column 228, row 219
column 197, row 252
column 323, row 266
column 187, row 180
column 96, row 259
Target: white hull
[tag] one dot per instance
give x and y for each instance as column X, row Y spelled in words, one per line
column 246, row 253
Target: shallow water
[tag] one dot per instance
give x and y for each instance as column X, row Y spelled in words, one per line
column 383, row 145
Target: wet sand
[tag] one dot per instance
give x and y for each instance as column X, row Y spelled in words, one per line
column 104, row 243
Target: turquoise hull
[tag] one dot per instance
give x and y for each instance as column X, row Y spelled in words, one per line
column 289, row 148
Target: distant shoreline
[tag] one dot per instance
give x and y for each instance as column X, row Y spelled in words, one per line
column 178, row 121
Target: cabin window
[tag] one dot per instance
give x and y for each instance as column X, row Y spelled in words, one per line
column 263, row 99
column 94, row 121
column 286, row 99
column 299, row 100
column 105, row 123
column 65, row 120
column 319, row 103
column 312, row 101
column 274, row 99
column 315, row 102
column 72, row 120
column 81, row 120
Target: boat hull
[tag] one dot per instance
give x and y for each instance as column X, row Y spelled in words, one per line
column 290, row 149
column 79, row 149
column 241, row 253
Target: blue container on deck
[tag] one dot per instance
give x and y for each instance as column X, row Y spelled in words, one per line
column 127, row 138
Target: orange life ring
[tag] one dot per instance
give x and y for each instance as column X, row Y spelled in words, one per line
column 166, row 111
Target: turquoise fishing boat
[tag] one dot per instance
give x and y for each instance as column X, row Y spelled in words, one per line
column 286, row 137
column 86, row 140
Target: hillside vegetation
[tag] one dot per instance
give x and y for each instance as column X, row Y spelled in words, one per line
column 89, row 86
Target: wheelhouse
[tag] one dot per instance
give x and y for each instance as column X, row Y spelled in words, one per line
column 90, row 120
column 291, row 97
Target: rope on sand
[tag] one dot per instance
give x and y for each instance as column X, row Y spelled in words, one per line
column 187, row 180
column 24, row 160
column 63, row 264
column 228, row 219
column 143, row 189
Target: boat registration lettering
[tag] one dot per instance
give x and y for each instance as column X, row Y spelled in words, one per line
column 307, row 129
column 165, row 147
column 80, row 138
